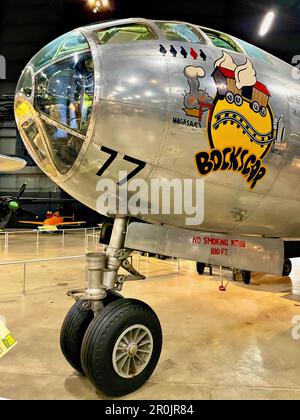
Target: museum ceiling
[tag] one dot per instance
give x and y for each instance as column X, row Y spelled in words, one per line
column 27, row 26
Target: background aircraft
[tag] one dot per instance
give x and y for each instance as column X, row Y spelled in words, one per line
column 10, row 205
column 163, row 100
column 14, row 206
column 11, row 164
column 52, row 220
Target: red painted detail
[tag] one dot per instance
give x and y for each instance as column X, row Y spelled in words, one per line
column 229, row 74
column 262, row 88
column 204, row 106
column 194, row 54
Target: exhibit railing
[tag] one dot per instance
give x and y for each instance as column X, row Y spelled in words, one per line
column 160, row 270
column 25, row 264
column 89, row 233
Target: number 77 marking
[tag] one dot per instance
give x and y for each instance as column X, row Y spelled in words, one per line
column 113, row 155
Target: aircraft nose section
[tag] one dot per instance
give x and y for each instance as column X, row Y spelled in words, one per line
column 54, row 102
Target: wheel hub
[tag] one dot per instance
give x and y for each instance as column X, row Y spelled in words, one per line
column 133, row 351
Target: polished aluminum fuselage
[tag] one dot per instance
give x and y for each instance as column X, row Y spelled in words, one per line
column 138, row 93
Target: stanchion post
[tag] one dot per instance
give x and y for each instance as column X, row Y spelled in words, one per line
column 24, row 279
column 85, row 238
column 6, row 240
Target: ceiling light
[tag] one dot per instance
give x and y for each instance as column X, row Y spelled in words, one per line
column 99, row 5
column 267, row 23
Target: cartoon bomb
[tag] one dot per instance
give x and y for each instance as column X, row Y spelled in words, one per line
column 242, row 115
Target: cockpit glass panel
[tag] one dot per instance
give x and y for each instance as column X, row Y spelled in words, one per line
column 67, row 44
column 64, row 147
column 25, row 84
column 125, row 33
column 180, row 32
column 255, row 52
column 65, row 92
column 35, row 138
column 25, row 118
column 221, row 40
column 30, row 129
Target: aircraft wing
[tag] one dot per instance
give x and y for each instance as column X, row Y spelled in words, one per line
column 11, row 164
column 34, row 200
column 24, row 222
column 71, row 223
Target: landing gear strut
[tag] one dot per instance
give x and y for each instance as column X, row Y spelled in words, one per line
column 115, row 342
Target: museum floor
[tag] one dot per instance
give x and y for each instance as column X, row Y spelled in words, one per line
column 233, row 345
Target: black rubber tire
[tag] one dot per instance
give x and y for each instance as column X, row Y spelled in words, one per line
column 111, row 297
column 101, row 337
column 200, row 268
column 74, row 328
column 287, row 268
column 246, row 277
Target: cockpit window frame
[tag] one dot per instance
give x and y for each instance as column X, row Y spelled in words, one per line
column 267, row 58
column 58, row 56
column 62, row 167
column 235, row 45
column 58, row 60
column 52, row 168
column 55, row 123
column 18, row 90
column 137, row 42
column 195, row 28
column 61, row 126
column 47, row 121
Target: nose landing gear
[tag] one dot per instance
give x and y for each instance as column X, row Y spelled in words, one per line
column 75, row 326
column 121, row 347
column 115, row 342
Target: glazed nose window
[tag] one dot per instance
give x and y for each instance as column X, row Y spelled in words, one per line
column 25, row 84
column 65, row 91
column 54, row 102
column 64, row 147
column 70, row 43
